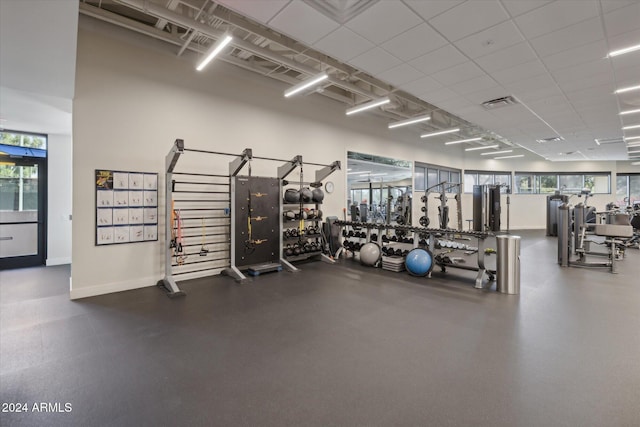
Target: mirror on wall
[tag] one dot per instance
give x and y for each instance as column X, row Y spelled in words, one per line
column 379, row 189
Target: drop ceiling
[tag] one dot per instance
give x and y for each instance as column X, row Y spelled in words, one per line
column 450, row 57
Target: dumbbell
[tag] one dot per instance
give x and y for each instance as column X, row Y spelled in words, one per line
column 385, row 238
column 374, row 237
column 394, row 238
column 350, row 233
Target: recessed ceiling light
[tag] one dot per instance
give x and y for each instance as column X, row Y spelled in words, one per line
column 624, row 113
column 493, row 153
column 410, row 121
column 623, row 51
column 484, row 147
column 631, row 127
column 508, row 157
column 442, row 132
column 627, row 89
column 460, row 141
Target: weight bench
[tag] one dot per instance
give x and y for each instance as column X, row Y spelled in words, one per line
column 613, row 234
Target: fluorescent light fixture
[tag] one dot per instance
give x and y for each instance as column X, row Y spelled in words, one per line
column 628, row 138
column 623, row 51
column 624, row 113
column 631, row 127
column 633, row 144
column 378, row 174
column 633, row 152
column 442, row 132
column 635, row 163
column 305, row 84
column 496, row 152
column 215, row 49
column 508, row 157
column 358, row 172
column 460, row 141
column 484, row 147
column 411, row 121
column 368, row 105
column 627, row 89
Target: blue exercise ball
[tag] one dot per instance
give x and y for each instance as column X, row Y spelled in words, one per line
column 419, row 262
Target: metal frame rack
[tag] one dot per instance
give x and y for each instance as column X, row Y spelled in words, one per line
column 428, row 236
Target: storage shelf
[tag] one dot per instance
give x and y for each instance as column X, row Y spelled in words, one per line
column 302, row 256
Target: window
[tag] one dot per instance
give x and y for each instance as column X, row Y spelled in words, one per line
column 545, row 183
column 432, row 175
column 472, row 178
column 23, row 139
column 627, row 189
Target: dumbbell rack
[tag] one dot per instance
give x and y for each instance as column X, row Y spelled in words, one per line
column 428, row 238
column 303, row 226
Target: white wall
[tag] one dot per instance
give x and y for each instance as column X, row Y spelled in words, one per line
column 132, row 102
column 59, row 188
column 134, row 97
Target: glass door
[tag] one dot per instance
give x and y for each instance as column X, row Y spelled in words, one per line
column 22, row 212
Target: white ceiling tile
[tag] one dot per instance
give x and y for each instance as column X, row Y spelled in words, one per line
column 344, row 44
column 439, row 59
column 534, row 88
column 260, row 10
column 630, row 38
column 555, row 16
column 519, row 72
column 587, row 82
column 421, row 86
column 589, row 69
column 518, row 7
column 427, row 9
column 458, row 73
column 474, row 85
column 438, row 95
column 401, row 74
column 490, row 40
column 468, row 18
column 622, row 20
column 414, row 43
column 576, row 56
column 585, row 32
column 383, row 21
column 303, row 23
column 609, row 5
column 375, row 61
column 454, row 105
column 505, row 58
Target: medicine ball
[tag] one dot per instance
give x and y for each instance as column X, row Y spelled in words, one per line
column 306, row 195
column 289, row 214
column 291, row 195
column 370, row 254
column 317, row 195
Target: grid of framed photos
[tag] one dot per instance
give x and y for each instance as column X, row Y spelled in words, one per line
column 126, row 207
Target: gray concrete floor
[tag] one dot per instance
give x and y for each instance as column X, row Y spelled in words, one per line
column 332, row 345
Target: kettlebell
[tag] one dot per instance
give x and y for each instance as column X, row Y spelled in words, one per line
column 288, row 251
column 296, row 249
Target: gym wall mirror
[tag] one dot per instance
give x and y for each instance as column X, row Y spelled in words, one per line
column 379, row 189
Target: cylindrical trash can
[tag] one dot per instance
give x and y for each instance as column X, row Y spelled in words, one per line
column 508, row 264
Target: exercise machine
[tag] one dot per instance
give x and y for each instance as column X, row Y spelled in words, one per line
column 486, row 207
column 442, row 190
column 614, row 238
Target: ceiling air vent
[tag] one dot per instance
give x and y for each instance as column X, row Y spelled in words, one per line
column 552, row 139
column 505, row 101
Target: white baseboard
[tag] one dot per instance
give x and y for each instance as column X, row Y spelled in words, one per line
column 108, row 288
column 58, row 261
